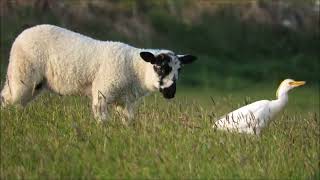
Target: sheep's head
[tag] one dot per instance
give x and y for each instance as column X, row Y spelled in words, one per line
column 166, row 69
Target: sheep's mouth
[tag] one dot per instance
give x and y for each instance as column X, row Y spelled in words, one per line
column 169, row 92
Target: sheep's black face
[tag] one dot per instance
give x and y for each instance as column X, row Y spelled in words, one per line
column 167, row 67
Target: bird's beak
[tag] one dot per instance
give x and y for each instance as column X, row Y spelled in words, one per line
column 297, row 83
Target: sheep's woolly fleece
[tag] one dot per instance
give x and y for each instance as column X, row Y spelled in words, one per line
column 70, row 63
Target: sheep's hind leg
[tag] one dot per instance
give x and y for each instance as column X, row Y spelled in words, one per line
column 23, row 78
column 18, row 92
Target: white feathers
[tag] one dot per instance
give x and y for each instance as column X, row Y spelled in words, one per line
column 254, row 117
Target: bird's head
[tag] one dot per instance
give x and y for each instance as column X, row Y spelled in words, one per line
column 287, row 85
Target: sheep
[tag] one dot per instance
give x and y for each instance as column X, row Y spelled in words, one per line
column 68, row 63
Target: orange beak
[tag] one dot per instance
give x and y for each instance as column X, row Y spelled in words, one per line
column 297, row 83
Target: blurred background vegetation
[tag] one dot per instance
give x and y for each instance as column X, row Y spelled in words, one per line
column 238, row 43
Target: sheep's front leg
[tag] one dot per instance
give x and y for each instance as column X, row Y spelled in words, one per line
column 103, row 95
column 127, row 112
column 100, row 107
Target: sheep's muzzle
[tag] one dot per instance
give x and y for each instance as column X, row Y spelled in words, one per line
column 169, row 92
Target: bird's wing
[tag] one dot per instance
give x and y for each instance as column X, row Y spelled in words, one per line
column 250, row 108
column 241, row 117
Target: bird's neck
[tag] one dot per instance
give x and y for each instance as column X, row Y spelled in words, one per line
column 280, row 102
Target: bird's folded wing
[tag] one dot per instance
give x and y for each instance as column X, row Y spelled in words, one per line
column 248, row 111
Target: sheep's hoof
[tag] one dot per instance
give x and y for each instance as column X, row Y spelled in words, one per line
column 101, row 121
column 125, row 122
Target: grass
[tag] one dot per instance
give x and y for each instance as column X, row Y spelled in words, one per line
column 57, row 137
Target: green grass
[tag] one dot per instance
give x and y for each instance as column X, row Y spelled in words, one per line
column 57, row 137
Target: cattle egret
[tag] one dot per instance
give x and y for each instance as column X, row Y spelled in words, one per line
column 252, row 118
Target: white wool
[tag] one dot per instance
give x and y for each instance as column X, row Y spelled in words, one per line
column 73, row 64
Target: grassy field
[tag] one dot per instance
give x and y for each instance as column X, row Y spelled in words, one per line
column 56, row 137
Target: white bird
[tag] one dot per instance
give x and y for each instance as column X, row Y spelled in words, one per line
column 252, row 118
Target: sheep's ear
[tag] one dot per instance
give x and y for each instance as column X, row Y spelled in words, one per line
column 148, row 57
column 186, row 59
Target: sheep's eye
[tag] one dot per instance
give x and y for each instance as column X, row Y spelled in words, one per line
column 166, row 69
column 162, row 70
column 157, row 69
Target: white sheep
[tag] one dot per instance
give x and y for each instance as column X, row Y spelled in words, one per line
column 68, row 63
